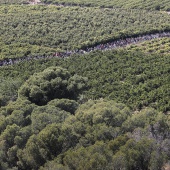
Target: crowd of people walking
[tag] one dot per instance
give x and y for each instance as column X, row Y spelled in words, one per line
column 104, row 46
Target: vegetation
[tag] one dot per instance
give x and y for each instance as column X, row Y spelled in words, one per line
column 66, row 134
column 162, row 5
column 134, row 78
column 97, row 110
column 140, row 4
column 13, row 1
column 97, row 134
column 50, row 84
column 42, row 30
column 159, row 46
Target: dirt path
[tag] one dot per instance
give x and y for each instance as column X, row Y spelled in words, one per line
column 102, row 47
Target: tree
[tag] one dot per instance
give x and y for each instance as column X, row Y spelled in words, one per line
column 65, row 104
column 102, row 111
column 44, row 115
column 97, row 156
column 42, row 147
column 52, row 83
column 9, row 133
column 94, row 120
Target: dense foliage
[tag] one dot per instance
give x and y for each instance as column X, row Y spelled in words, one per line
column 97, row 110
column 134, row 78
column 159, row 46
column 162, row 5
column 42, row 30
column 140, row 4
column 50, row 84
column 97, row 134
column 13, row 1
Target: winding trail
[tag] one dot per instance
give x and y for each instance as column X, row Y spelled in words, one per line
column 101, row 47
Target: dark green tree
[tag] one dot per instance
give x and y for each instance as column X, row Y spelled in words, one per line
column 52, row 83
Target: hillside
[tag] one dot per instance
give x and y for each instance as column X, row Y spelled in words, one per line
column 43, row 30
column 13, row 2
column 84, row 85
column 159, row 46
column 162, row 5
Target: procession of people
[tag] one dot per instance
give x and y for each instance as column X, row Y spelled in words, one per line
column 104, row 46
